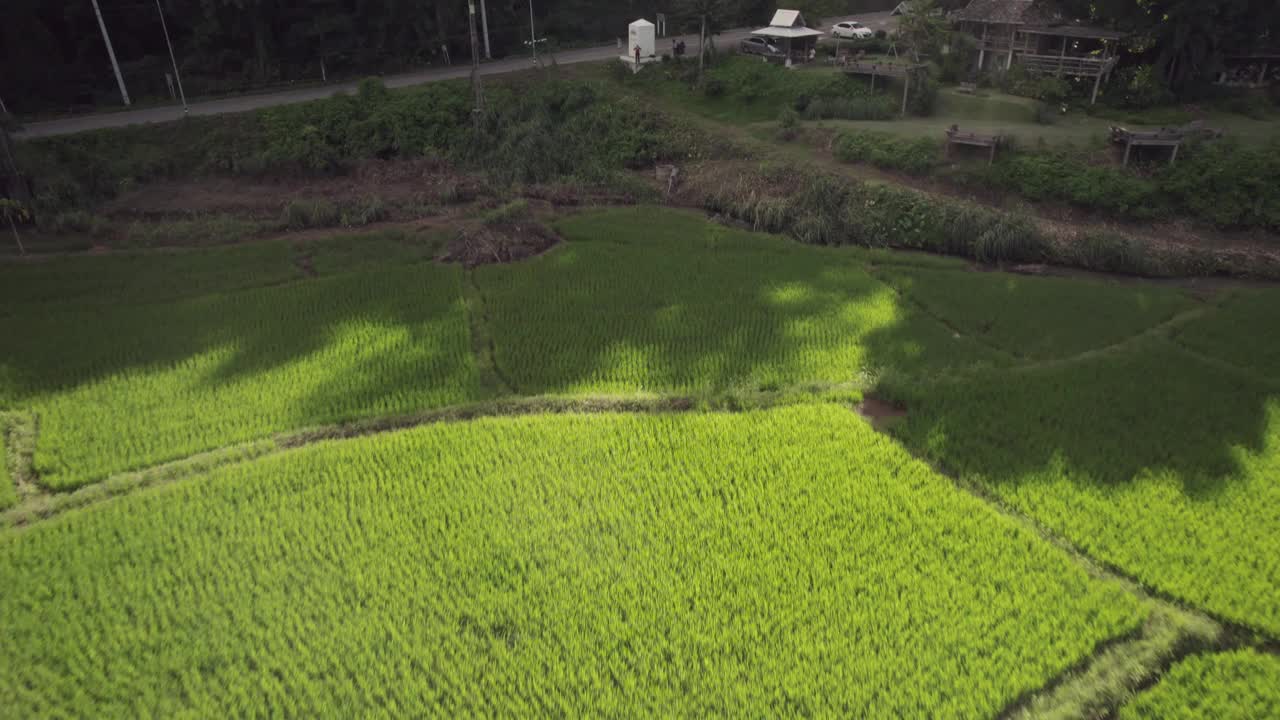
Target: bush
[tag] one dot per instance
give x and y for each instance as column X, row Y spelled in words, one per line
column 915, row 156
column 714, row 88
column 507, row 214
column 67, row 222
column 788, row 124
column 366, row 211
column 304, row 214
column 922, row 99
column 850, row 108
column 1226, row 184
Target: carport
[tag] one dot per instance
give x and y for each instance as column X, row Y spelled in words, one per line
column 788, row 31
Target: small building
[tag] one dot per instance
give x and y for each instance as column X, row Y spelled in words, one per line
column 1038, row 36
column 789, row 32
column 641, row 44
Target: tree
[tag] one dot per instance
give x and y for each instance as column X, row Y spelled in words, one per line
column 923, row 29
column 710, row 15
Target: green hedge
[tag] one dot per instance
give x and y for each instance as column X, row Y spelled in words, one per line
column 917, row 156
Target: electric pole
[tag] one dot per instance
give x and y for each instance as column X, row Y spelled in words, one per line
column 173, row 59
column 533, row 36
column 484, row 22
column 111, row 51
column 478, row 107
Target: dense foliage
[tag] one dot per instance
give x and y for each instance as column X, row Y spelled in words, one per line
column 771, row 563
column 916, row 156
column 1220, row 182
column 1236, row 685
column 533, row 131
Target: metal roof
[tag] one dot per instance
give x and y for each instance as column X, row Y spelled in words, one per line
column 787, row 18
column 787, row 32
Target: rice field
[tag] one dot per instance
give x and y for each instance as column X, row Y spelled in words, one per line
column 134, row 386
column 1241, row 332
column 8, row 491
column 1237, row 685
column 1039, row 318
column 765, row 562
column 642, row 301
column 1148, row 459
column 779, row 562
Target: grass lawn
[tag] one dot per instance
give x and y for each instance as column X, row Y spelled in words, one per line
column 773, row 563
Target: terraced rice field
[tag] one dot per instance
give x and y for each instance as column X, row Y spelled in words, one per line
column 1096, row 449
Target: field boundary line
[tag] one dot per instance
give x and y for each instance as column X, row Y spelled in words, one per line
column 483, row 347
column 18, row 433
column 1200, row 629
column 46, row 505
column 873, row 271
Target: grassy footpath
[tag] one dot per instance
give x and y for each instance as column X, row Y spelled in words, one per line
column 765, row 563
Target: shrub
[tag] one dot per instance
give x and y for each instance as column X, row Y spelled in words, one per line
column 304, row 214
column 72, row 221
column 850, row 108
column 1226, row 184
column 507, row 213
column 365, row 211
column 714, row 88
column 916, row 156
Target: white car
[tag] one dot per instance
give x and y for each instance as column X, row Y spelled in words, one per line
column 851, row 29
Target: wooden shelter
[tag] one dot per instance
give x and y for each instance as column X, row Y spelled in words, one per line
column 991, row 141
column 1036, row 35
column 787, row 29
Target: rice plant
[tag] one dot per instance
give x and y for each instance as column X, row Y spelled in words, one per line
column 1236, row 685
column 762, row 564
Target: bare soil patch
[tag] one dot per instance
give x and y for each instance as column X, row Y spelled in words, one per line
column 401, row 181
column 880, row 413
column 485, row 244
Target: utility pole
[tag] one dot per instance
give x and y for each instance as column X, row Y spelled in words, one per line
column 484, row 22
column 173, row 59
column 111, row 51
column 478, row 103
column 533, row 36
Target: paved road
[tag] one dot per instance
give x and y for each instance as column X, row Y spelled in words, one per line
column 246, row 103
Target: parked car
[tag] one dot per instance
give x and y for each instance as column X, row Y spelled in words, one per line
column 758, row 46
column 851, row 29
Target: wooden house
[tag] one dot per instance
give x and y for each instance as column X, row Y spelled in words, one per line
column 1036, row 35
